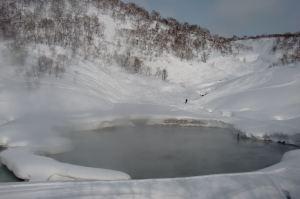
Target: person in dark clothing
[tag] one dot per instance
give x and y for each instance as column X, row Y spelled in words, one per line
column 186, row 101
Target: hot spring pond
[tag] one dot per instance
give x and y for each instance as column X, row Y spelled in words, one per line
column 166, row 152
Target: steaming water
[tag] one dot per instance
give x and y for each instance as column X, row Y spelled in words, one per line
column 163, row 152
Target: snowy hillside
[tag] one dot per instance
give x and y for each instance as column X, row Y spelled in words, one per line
column 81, row 65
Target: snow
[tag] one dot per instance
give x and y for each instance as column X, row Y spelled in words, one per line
column 28, row 166
column 239, row 90
column 266, row 102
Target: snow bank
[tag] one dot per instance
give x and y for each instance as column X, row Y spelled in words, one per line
column 28, row 166
column 262, row 103
column 276, row 182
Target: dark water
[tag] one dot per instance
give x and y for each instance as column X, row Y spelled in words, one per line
column 7, row 176
column 163, row 152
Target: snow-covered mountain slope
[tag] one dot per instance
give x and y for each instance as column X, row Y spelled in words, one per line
column 73, row 65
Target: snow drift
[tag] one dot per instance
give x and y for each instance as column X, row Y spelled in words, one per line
column 32, row 167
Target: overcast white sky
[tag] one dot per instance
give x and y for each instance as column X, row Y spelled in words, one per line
column 228, row 17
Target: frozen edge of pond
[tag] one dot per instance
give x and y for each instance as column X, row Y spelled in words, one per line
column 28, row 166
column 172, row 120
column 165, row 120
column 278, row 181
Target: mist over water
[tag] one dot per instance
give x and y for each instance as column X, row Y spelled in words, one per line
column 36, row 108
column 162, row 152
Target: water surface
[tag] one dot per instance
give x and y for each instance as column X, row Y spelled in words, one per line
column 7, row 176
column 165, row 152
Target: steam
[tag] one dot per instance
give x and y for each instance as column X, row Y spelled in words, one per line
column 36, row 111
